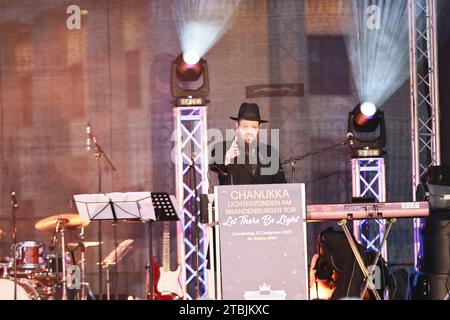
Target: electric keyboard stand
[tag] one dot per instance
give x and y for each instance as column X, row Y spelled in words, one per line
column 368, row 275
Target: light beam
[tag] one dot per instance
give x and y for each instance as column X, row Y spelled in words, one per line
column 201, row 23
column 377, row 44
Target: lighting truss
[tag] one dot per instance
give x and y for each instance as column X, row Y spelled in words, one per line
column 191, row 154
column 368, row 181
column 424, row 97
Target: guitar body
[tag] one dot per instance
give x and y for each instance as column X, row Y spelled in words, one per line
column 159, row 291
column 170, row 296
column 167, row 284
column 156, row 276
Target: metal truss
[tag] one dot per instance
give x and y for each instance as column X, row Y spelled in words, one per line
column 424, row 98
column 368, row 181
column 191, row 177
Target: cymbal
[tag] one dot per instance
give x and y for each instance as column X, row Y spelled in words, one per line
column 70, row 221
column 87, row 244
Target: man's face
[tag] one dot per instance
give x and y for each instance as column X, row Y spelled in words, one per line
column 248, row 130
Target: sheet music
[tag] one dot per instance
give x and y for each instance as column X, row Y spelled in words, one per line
column 126, row 205
column 122, row 249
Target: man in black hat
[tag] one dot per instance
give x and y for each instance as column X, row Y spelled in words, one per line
column 247, row 160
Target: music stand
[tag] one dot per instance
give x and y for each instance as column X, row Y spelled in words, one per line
column 114, row 257
column 166, row 209
column 116, row 206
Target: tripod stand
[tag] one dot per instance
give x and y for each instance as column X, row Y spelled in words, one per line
column 14, row 206
column 115, row 206
column 85, row 288
column 113, row 259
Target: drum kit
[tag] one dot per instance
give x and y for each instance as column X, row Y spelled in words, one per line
column 41, row 273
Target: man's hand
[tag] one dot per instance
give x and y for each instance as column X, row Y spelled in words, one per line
column 232, row 153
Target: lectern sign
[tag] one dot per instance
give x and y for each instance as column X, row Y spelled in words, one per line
column 262, row 241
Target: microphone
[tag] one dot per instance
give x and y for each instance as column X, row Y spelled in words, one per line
column 237, row 136
column 88, row 136
column 14, row 200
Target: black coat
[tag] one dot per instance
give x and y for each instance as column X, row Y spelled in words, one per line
column 240, row 172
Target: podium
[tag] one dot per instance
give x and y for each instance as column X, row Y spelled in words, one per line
column 258, row 243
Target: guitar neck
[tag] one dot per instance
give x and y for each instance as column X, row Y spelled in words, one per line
column 166, row 247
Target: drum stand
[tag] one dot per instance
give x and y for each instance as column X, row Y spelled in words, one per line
column 60, row 229
column 84, row 285
column 14, row 207
column 85, row 288
column 108, row 285
column 83, row 265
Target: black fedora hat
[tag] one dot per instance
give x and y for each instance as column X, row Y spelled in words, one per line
column 249, row 111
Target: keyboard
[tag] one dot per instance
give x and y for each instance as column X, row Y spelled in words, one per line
column 363, row 211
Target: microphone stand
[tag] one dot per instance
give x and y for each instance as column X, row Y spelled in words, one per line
column 99, row 155
column 149, row 267
column 293, row 161
column 14, row 207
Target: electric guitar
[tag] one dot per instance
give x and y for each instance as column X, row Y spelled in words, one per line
column 168, row 285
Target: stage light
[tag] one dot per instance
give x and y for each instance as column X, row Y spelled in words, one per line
column 190, row 81
column 366, row 130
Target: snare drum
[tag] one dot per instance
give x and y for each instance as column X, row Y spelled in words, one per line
column 25, row 290
column 30, row 255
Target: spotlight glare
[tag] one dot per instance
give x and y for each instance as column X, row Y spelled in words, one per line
column 189, row 83
column 191, row 57
column 368, row 109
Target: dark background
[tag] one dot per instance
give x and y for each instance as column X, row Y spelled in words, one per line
column 115, row 73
